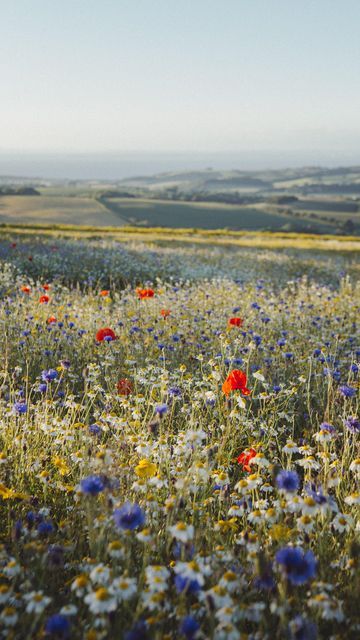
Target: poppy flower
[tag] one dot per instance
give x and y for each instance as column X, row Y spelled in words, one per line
column 43, row 299
column 165, row 313
column 236, row 380
column 235, row 322
column 51, row 320
column 145, row 293
column 104, row 293
column 25, row 289
column 13, row 245
column 106, row 334
column 245, row 457
column 30, row 258
column 124, row 387
column 46, row 287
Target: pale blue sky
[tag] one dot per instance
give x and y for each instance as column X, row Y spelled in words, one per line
column 179, row 75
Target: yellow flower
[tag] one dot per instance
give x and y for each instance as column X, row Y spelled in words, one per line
column 280, row 532
column 226, row 525
column 60, row 464
column 146, row 469
column 10, row 494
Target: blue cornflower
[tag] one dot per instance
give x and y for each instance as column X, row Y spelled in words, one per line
column 302, row 629
column 325, row 426
column 299, row 567
column 189, row 627
column 161, row 409
column 138, row 632
column 186, row 585
column 45, row 528
column 95, row 429
column 353, row 424
column 48, row 375
column 288, row 481
column 58, row 626
column 20, row 407
column 316, row 493
column 92, row 485
column 346, row 391
column 354, row 368
column 276, row 388
column 129, row 516
column 175, row 392
column 265, row 581
column 42, row 387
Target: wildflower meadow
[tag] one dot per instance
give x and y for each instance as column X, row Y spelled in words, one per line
column 179, row 441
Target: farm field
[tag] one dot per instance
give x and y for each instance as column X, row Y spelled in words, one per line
column 310, row 200
column 73, row 209
column 66, row 208
column 179, row 435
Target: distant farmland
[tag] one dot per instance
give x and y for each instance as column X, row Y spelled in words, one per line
column 155, row 213
column 56, row 210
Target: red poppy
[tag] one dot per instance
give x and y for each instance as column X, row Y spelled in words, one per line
column 105, row 334
column 13, row 245
column 46, row 287
column 104, row 293
column 236, row 322
column 145, row 293
column 124, row 387
column 25, row 289
column 245, row 457
column 30, row 258
column 236, row 380
column 43, row 299
column 51, row 320
column 165, row 313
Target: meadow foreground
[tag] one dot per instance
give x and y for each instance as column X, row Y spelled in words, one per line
column 179, row 446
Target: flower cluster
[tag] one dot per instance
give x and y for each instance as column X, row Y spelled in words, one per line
column 178, row 459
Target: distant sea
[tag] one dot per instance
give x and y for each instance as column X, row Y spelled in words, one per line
column 115, row 166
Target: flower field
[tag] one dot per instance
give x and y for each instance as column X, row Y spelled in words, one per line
column 179, row 452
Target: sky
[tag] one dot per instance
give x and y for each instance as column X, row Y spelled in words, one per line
column 180, row 75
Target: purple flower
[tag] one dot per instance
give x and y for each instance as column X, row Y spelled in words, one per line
column 92, row 485
column 353, row 424
column 287, row 481
column 129, row 516
column 298, row 566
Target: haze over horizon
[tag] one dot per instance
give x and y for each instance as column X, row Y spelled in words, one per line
column 270, row 82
